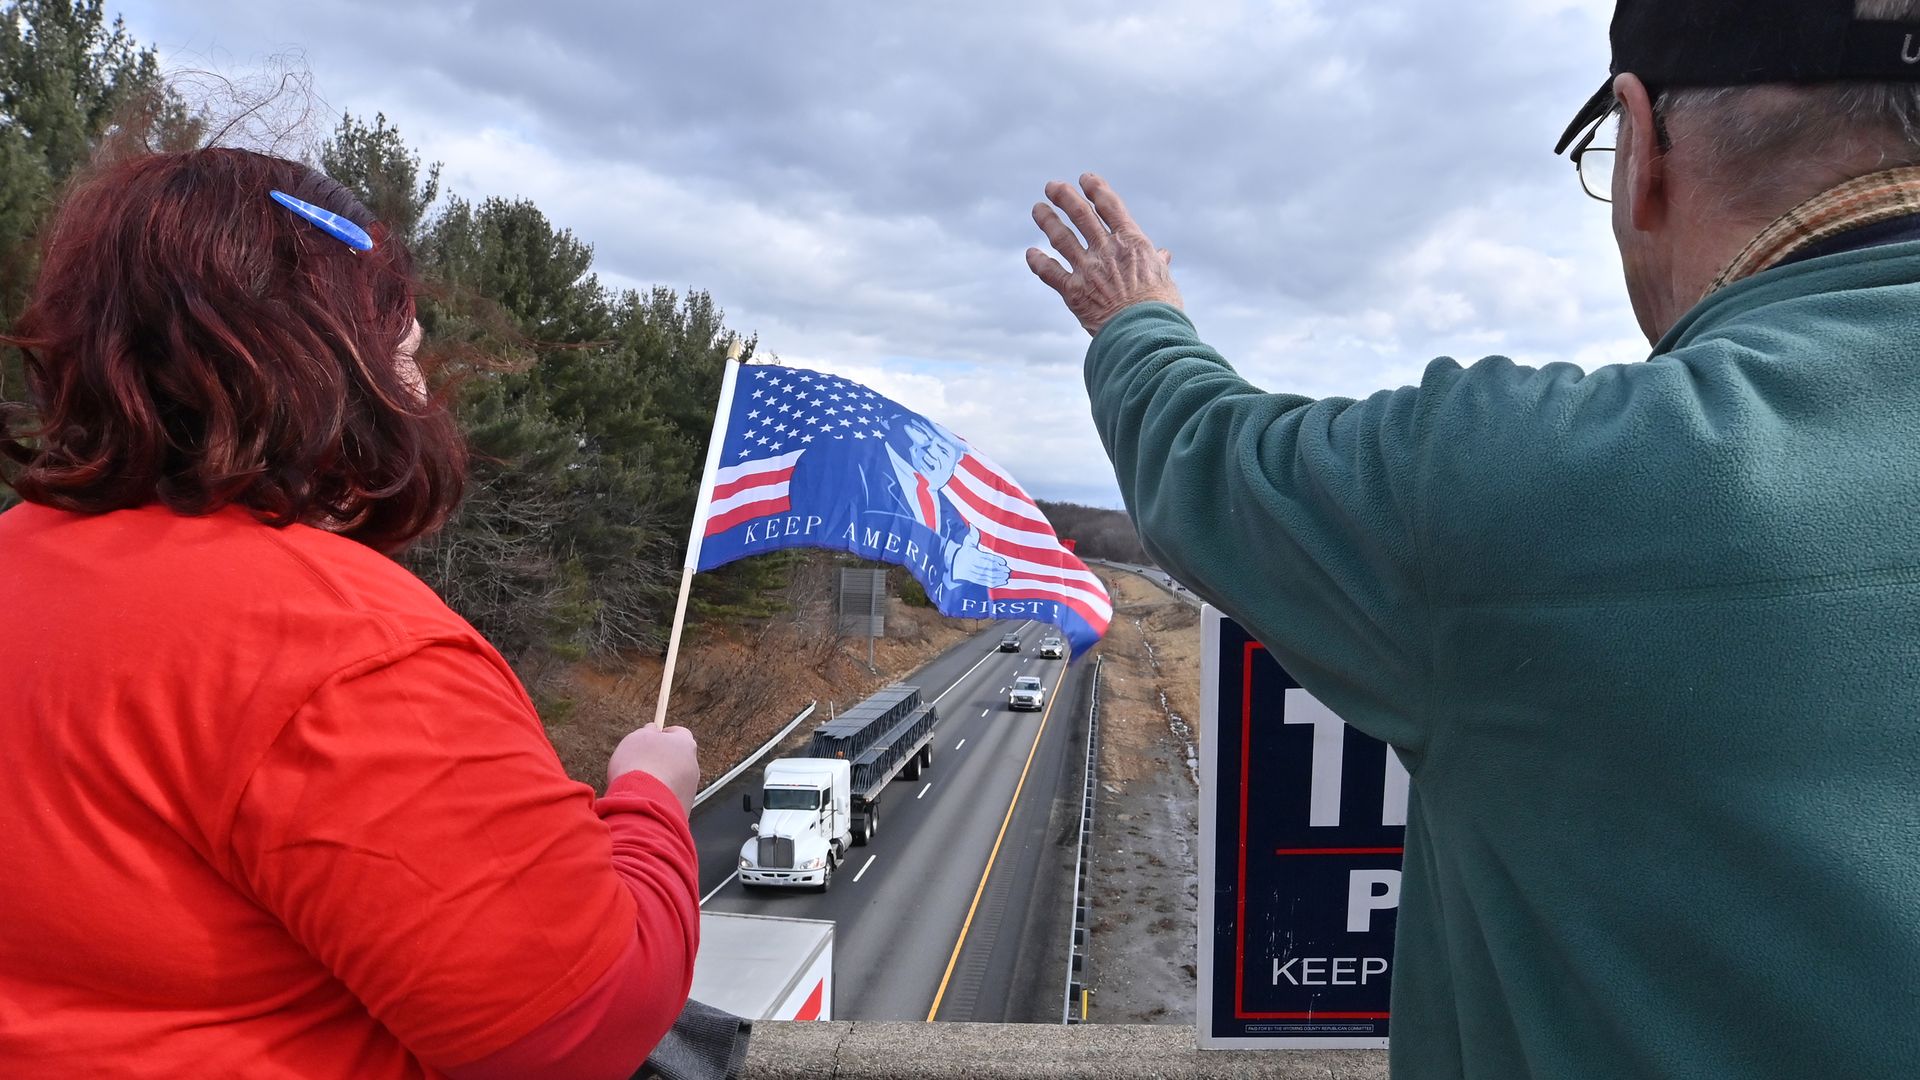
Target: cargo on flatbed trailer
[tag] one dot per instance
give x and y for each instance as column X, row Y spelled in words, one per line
column 818, row 806
column 903, row 751
column 851, row 732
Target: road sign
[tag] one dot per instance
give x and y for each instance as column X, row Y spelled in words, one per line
column 863, row 603
column 1302, row 824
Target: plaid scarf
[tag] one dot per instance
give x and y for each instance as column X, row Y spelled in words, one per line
column 1868, row 200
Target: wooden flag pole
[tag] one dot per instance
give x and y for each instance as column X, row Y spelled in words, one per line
column 700, row 507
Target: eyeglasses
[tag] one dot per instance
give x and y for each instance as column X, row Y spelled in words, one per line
column 1594, row 164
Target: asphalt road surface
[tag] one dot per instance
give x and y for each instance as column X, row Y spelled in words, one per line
column 1161, row 578
column 919, row 916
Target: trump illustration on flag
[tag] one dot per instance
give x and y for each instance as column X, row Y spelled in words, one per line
column 814, row 460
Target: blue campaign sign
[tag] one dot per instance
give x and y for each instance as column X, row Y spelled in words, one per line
column 1302, row 824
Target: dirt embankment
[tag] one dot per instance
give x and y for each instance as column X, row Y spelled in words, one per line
column 1144, row 878
column 735, row 688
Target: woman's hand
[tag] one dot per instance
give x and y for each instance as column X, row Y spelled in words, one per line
column 669, row 755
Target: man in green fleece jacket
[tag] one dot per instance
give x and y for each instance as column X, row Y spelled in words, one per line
column 1647, row 637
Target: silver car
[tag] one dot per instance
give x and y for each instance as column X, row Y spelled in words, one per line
column 1027, row 693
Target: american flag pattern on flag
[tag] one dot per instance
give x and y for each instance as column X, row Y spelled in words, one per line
column 815, row 460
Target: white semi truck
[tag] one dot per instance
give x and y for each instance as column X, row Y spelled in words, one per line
column 815, row 808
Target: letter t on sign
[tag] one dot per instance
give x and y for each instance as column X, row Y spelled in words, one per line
column 1329, row 753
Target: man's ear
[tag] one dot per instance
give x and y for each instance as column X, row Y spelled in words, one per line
column 1641, row 163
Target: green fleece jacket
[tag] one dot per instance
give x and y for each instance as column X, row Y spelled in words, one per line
column 1647, row 639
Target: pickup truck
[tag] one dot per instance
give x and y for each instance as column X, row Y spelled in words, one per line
column 1027, row 693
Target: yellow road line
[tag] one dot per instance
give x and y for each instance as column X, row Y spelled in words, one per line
column 1052, row 699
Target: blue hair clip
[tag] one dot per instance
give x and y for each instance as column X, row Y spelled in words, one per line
column 329, row 222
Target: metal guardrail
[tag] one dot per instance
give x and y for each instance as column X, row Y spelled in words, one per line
column 754, row 758
column 1077, row 941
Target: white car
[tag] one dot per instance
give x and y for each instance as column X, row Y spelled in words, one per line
column 1053, row 648
column 1026, row 693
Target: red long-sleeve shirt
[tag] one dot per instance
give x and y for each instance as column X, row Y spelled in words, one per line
column 269, row 808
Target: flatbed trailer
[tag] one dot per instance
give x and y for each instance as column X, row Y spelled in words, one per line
column 886, row 737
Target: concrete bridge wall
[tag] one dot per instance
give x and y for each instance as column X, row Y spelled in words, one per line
column 860, row 1050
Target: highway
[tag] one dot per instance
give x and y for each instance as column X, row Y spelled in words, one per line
column 919, row 919
column 1158, row 577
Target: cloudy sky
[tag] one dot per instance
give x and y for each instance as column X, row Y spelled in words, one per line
column 1350, row 187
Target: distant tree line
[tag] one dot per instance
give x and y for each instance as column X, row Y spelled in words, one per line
column 1098, row 533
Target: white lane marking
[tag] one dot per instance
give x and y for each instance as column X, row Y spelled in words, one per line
column 923, row 792
column 717, row 888
column 863, row 867
column 956, row 746
column 983, row 712
column 975, row 667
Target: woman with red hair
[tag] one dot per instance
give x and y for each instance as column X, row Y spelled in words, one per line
column 269, row 808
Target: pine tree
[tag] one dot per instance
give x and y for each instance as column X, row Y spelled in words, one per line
column 377, row 164
column 69, row 83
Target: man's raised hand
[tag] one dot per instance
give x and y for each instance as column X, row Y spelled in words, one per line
column 1111, row 265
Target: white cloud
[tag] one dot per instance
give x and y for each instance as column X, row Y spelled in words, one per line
column 1352, row 186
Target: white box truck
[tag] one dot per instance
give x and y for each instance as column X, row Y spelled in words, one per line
column 765, row 968
column 815, row 808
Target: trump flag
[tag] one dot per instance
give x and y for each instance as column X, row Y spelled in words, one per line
column 814, row 460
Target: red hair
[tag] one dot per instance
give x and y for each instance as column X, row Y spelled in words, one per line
column 191, row 342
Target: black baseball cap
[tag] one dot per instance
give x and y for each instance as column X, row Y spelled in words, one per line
column 1700, row 43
